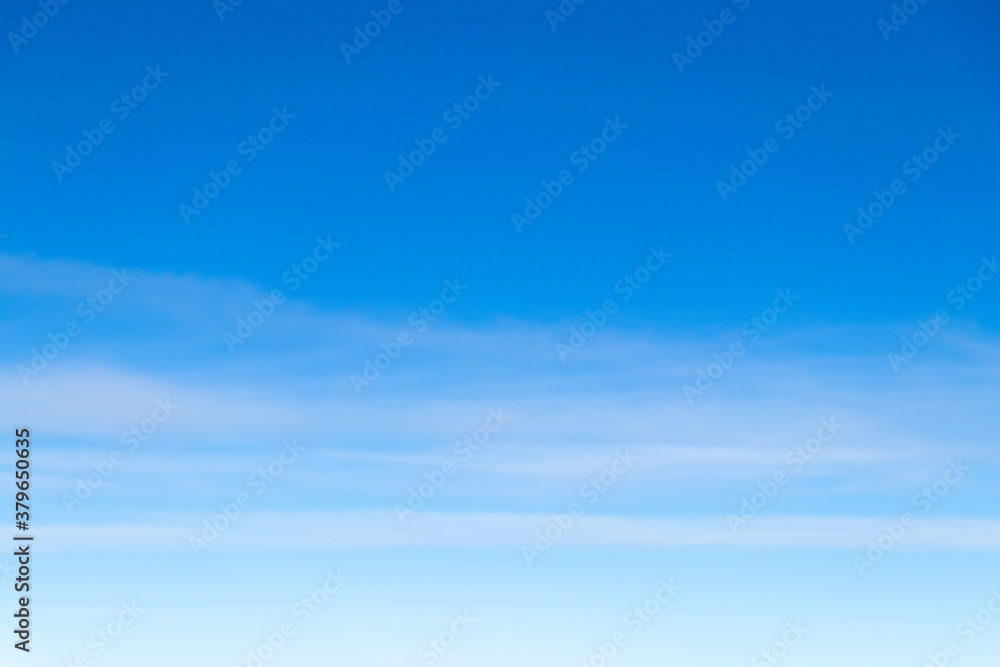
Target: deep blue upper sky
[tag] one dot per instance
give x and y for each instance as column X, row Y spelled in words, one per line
column 655, row 185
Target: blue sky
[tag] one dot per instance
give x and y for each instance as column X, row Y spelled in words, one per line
column 361, row 338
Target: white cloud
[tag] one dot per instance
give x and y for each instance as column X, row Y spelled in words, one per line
column 380, row 529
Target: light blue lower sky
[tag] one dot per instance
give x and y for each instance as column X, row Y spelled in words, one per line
column 430, row 492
